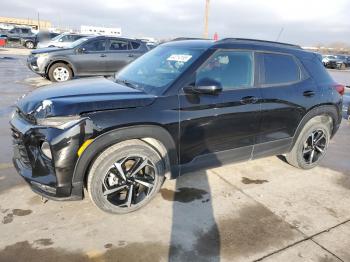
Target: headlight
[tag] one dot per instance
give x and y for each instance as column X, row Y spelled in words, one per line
column 46, row 149
column 41, row 55
column 60, row 122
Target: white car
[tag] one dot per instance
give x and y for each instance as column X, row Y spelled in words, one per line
column 62, row 40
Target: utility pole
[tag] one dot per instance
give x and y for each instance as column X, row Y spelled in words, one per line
column 206, row 17
column 38, row 21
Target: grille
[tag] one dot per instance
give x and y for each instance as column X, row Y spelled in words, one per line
column 18, row 144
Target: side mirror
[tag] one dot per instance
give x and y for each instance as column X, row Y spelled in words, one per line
column 206, row 86
column 81, row 50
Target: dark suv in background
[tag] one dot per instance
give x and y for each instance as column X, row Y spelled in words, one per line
column 182, row 106
column 88, row 56
column 33, row 40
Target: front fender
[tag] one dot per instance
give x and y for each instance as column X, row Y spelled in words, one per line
column 112, row 137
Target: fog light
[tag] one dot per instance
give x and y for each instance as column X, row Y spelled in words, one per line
column 45, row 148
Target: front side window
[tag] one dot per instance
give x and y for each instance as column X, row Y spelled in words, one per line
column 156, row 70
column 233, row 69
column 117, row 45
column 95, row 45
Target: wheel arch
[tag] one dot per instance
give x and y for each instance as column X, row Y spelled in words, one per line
column 328, row 110
column 155, row 136
column 59, row 61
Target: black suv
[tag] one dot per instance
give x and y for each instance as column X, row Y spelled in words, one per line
column 88, row 56
column 32, row 41
column 16, row 33
column 182, row 106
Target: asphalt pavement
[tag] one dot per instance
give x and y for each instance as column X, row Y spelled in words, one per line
column 262, row 210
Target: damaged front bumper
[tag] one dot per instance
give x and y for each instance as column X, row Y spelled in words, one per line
column 49, row 177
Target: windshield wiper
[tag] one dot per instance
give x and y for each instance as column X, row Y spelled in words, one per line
column 126, row 83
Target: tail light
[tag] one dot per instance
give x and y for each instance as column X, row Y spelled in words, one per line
column 340, row 89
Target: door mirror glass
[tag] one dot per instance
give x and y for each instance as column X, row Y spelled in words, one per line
column 81, row 50
column 205, row 86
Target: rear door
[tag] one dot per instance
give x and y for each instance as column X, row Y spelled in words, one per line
column 286, row 92
column 92, row 59
column 118, row 54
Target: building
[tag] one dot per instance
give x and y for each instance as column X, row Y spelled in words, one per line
column 95, row 30
column 33, row 23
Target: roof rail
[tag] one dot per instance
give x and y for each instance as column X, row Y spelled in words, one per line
column 258, row 41
column 188, row 38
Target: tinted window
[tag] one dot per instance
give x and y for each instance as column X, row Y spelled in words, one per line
column 25, row 30
column 117, row 45
column 231, row 69
column 95, row 45
column 318, row 71
column 280, row 69
column 135, row 45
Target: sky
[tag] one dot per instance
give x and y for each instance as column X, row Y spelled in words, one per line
column 304, row 22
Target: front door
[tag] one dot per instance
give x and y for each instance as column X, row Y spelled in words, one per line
column 221, row 128
column 92, row 58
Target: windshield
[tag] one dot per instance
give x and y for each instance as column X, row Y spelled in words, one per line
column 155, row 71
column 78, row 42
column 56, row 37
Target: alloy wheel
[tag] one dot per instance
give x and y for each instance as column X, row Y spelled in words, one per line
column 129, row 181
column 61, row 74
column 314, row 147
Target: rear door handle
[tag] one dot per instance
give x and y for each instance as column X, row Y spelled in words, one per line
column 309, row 93
column 249, row 100
column 103, row 55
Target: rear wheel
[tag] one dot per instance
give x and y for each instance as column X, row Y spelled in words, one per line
column 125, row 177
column 312, row 143
column 60, row 72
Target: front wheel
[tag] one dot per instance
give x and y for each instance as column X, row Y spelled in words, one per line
column 60, row 72
column 311, row 145
column 125, row 177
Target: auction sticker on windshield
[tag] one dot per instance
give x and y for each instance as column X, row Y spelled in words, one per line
column 179, row 58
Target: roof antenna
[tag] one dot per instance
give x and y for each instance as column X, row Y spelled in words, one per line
column 279, row 34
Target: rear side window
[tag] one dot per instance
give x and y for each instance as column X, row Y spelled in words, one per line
column 279, row 69
column 135, row 45
column 117, row 45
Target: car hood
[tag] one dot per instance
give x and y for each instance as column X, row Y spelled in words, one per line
column 79, row 96
column 48, row 50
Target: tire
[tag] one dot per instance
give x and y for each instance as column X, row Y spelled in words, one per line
column 104, row 177
column 60, row 72
column 316, row 126
column 29, row 45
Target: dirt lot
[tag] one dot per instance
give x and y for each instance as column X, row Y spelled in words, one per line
column 261, row 210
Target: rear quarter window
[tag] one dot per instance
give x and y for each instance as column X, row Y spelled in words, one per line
column 317, row 70
column 279, row 69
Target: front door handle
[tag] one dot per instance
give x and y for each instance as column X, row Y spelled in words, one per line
column 131, row 55
column 103, row 55
column 249, row 100
column 309, row 93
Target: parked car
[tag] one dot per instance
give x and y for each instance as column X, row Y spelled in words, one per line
column 331, row 61
column 62, row 40
column 32, row 41
column 88, row 56
column 16, row 33
column 182, row 106
column 344, row 59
